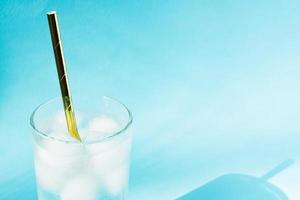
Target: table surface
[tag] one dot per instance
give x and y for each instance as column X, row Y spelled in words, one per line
column 213, row 86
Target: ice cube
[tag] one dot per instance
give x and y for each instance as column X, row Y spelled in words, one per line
column 108, row 155
column 115, row 181
column 109, row 158
column 58, row 146
column 122, row 140
column 48, row 178
column 56, row 162
column 98, row 128
column 83, row 186
column 103, row 124
column 111, row 165
column 58, row 122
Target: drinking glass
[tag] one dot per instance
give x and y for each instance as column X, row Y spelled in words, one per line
column 95, row 168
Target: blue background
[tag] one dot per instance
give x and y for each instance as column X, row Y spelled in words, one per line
column 214, row 86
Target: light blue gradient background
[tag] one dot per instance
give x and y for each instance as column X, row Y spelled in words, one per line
column 214, row 86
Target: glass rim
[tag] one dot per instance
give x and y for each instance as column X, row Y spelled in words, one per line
column 97, row 140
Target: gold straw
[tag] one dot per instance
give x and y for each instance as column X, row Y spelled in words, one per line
column 62, row 74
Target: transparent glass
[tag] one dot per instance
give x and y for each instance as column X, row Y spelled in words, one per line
column 96, row 168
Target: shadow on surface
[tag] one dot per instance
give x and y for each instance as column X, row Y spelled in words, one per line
column 240, row 186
